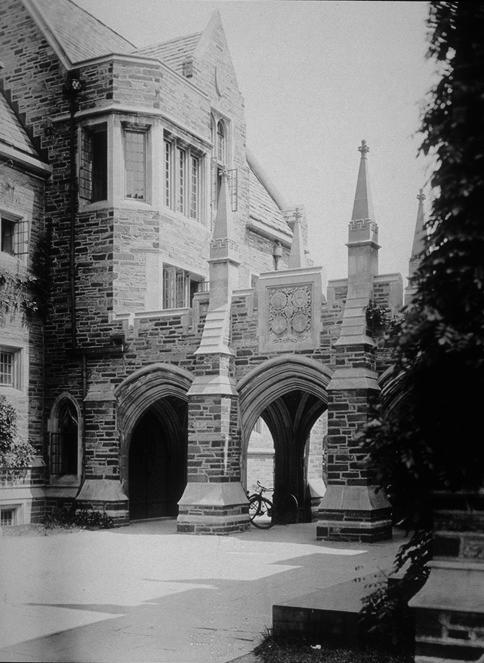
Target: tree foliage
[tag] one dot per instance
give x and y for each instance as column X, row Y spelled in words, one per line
column 426, row 432
column 15, row 453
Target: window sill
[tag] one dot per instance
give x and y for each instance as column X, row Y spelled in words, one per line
column 12, row 262
column 134, row 203
column 6, row 389
column 92, row 207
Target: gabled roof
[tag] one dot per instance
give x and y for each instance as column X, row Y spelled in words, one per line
column 262, row 206
column 75, row 32
column 173, row 52
column 11, row 131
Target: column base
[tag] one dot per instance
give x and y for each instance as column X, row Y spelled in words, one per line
column 354, row 513
column 107, row 496
column 213, row 508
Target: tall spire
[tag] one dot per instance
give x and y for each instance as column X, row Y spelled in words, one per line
column 363, row 205
column 418, row 237
column 418, row 246
column 363, row 231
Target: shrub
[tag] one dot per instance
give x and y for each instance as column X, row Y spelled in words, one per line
column 16, row 454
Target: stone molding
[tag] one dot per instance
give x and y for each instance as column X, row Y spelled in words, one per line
column 275, row 377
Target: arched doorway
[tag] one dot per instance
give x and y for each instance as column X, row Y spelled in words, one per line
column 157, row 460
column 152, row 421
column 289, row 394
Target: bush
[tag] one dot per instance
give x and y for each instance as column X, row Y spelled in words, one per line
column 72, row 516
column 16, row 454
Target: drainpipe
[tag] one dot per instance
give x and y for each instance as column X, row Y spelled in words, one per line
column 72, row 88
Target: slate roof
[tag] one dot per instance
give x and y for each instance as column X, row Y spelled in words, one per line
column 11, row 131
column 262, row 207
column 173, row 52
column 79, row 34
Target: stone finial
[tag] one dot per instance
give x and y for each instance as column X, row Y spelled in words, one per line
column 363, row 148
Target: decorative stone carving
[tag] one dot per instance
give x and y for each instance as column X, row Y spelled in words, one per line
column 289, row 316
column 290, row 313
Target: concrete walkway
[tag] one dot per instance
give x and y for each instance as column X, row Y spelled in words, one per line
column 144, row 593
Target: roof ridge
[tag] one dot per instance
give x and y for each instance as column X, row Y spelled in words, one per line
column 102, row 23
column 168, row 41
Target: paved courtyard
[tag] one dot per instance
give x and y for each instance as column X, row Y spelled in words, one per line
column 143, row 593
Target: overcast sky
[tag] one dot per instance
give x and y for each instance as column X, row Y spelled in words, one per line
column 317, row 77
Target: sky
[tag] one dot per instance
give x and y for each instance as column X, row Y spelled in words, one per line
column 317, row 78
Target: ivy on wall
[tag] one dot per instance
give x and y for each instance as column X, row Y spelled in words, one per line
column 15, row 452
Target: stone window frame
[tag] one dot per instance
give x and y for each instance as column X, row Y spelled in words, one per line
column 16, row 513
column 178, row 183
column 15, row 353
column 169, row 298
column 20, row 236
column 53, row 428
column 85, row 128
column 145, row 129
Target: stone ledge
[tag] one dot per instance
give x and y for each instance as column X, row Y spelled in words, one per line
column 101, row 490
column 213, row 495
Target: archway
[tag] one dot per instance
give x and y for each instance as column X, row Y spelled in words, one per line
column 157, row 460
column 152, row 420
column 289, row 394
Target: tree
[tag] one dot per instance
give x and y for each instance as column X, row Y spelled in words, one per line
column 427, row 431
column 15, row 453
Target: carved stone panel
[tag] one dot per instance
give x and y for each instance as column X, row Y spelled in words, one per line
column 290, row 313
column 289, row 310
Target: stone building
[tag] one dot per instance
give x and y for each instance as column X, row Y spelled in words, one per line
column 182, row 306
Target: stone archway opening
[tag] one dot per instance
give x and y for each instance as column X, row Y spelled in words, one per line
column 157, row 472
column 289, row 395
column 152, row 418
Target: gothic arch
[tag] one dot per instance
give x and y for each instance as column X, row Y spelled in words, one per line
column 144, row 388
column 276, row 377
column 54, row 430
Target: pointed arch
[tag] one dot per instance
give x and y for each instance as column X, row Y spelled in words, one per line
column 65, row 438
column 277, row 377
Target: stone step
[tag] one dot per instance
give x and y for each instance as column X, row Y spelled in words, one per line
column 330, row 614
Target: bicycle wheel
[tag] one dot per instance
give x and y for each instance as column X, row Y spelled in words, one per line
column 253, row 506
column 262, row 513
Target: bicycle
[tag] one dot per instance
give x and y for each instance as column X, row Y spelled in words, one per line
column 260, row 508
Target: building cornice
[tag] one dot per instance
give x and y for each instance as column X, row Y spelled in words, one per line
column 127, row 109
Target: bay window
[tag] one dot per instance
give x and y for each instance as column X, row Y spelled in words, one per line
column 182, row 178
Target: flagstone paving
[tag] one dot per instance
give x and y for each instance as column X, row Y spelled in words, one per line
column 143, row 593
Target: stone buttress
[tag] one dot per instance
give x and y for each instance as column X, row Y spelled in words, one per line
column 214, row 500
column 353, row 507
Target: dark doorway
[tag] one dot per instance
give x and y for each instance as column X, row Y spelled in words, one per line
column 157, row 460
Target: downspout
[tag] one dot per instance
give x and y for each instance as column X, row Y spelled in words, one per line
column 72, row 88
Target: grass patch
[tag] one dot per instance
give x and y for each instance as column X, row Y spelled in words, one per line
column 280, row 651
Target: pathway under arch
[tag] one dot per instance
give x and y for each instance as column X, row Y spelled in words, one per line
column 290, row 394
